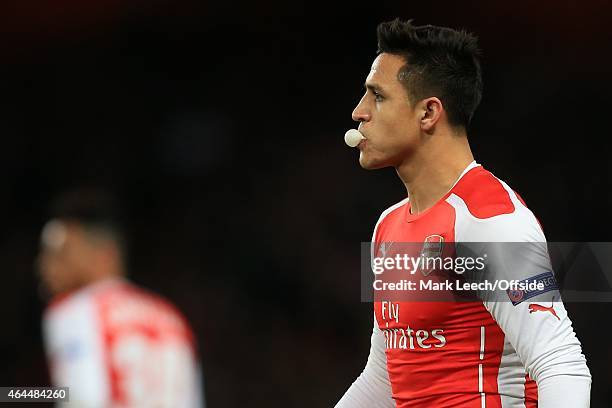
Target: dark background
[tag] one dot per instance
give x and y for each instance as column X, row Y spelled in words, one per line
column 220, row 127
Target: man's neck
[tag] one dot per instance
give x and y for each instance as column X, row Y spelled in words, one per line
column 102, row 277
column 432, row 171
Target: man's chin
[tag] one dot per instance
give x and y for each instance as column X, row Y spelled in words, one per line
column 369, row 164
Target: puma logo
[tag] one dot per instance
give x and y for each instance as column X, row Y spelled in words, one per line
column 534, row 307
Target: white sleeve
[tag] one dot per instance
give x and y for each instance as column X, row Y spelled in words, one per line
column 543, row 339
column 73, row 343
column 372, row 388
column 535, row 323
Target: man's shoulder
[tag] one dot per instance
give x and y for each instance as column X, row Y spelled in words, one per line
column 488, row 210
column 136, row 298
column 393, row 211
column 124, row 304
column 485, row 195
column 67, row 305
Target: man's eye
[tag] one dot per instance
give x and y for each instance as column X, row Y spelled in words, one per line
column 378, row 97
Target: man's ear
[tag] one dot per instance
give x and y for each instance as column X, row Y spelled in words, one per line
column 431, row 111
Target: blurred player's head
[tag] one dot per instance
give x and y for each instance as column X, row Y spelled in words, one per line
column 426, row 80
column 81, row 243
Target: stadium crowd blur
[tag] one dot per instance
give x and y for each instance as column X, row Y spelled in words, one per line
column 219, row 126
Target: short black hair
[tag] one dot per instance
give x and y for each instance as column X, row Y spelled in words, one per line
column 96, row 210
column 440, row 62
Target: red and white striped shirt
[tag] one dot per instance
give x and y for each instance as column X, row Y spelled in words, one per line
column 479, row 353
column 116, row 345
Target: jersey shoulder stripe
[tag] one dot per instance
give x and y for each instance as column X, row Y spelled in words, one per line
column 483, row 194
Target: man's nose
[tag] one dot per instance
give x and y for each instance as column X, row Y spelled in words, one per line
column 360, row 113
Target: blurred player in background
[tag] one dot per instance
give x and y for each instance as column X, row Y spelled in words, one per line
column 521, row 351
column 114, row 344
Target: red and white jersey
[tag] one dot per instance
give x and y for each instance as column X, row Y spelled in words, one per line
column 482, row 353
column 116, row 345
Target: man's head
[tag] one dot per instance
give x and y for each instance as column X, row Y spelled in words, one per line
column 424, row 79
column 81, row 243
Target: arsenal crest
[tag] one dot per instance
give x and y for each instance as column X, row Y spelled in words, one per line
column 432, row 249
